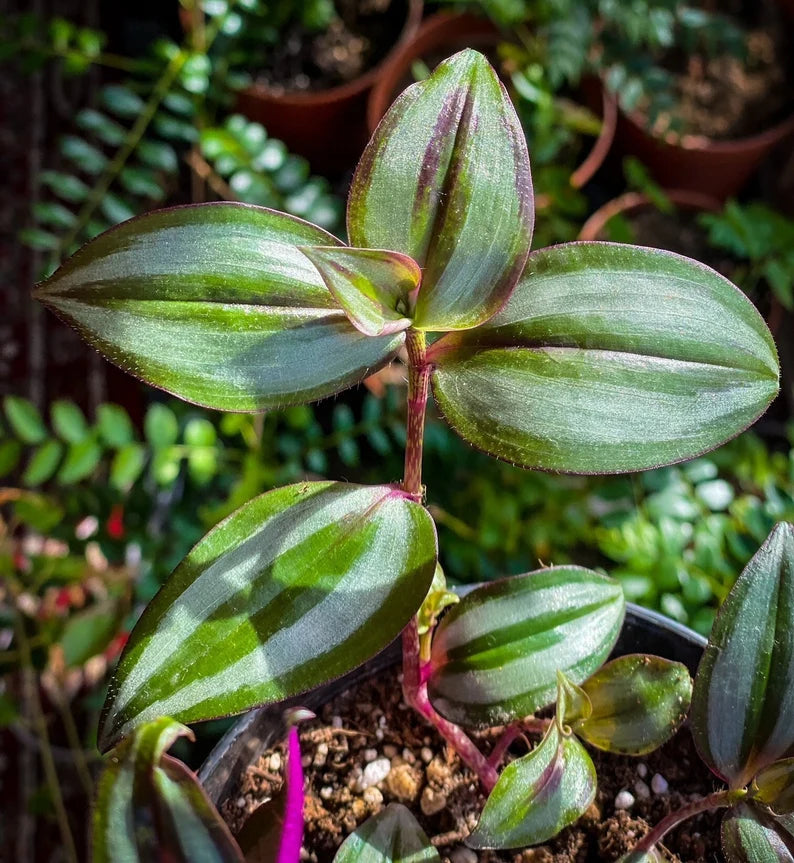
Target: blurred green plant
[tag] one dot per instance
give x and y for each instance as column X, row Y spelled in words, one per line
column 127, row 151
column 762, row 241
column 563, row 40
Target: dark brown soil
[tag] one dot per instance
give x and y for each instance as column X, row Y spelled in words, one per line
column 372, row 726
column 359, row 37
column 727, row 97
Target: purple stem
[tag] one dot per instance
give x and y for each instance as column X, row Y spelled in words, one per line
column 415, row 692
column 717, row 800
column 292, row 834
column 415, row 673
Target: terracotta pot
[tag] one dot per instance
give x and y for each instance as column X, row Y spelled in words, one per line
column 327, row 127
column 643, row 631
column 633, row 201
column 698, row 164
column 448, row 32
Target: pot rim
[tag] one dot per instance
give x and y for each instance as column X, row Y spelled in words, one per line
column 765, row 139
column 342, row 92
column 632, row 201
column 243, row 742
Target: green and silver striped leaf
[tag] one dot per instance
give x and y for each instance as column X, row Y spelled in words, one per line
column 151, row 807
column 295, row 588
column 391, row 836
column 496, row 654
column 638, row 702
column 608, row 358
column 537, row 795
column 376, row 289
column 743, row 699
column 216, row 304
column 445, row 179
column 750, row 835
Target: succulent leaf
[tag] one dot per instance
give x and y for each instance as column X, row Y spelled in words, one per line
column 296, row 587
column 376, row 289
column 151, row 807
column 391, row 836
column 608, row 358
column 638, row 702
column 743, row 698
column 751, row 836
column 537, row 795
column 216, row 304
column 445, row 179
column 774, row 786
column 496, row 654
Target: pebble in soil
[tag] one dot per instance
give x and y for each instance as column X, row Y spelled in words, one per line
column 368, row 749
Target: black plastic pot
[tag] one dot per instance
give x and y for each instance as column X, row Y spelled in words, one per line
column 643, row 631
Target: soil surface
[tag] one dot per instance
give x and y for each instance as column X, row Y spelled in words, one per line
column 729, row 97
column 367, row 749
column 360, row 35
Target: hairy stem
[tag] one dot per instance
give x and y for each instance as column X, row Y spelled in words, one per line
column 414, row 677
column 717, row 800
column 418, row 383
column 415, row 692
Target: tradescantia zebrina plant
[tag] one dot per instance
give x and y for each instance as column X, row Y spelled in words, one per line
column 743, row 714
column 587, row 357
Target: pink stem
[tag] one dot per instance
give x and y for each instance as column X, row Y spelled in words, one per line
column 503, row 744
column 414, row 675
column 717, row 800
column 415, row 692
column 418, row 386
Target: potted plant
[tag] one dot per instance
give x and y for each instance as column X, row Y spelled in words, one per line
column 726, row 85
column 538, row 359
column 313, row 93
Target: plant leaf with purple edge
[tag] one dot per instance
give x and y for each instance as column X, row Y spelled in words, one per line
column 151, row 807
column 638, row 702
column 391, row 836
column 216, row 304
column 495, row 655
column 445, row 179
column 743, row 700
column 608, row 358
column 297, row 587
column 376, row 289
column 752, row 836
column 774, row 786
column 538, row 795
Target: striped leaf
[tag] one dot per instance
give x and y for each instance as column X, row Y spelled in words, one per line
column 537, row 795
column 445, row 179
column 295, row 588
column 743, row 700
column 376, row 289
column 749, row 835
column 608, row 358
column 496, row 654
column 391, row 836
column 638, row 702
column 151, row 807
column 774, row 786
column 216, row 304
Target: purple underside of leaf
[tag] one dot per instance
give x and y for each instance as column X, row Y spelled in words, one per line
column 292, row 835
